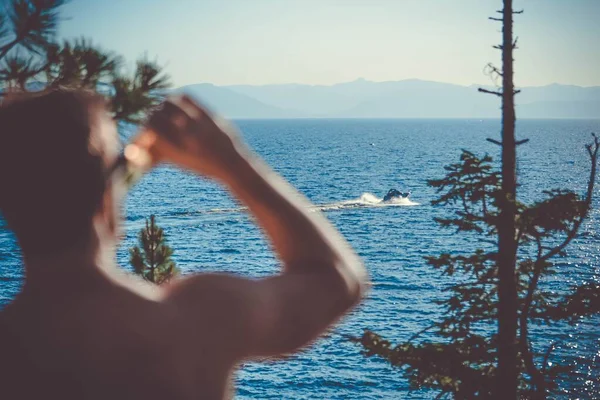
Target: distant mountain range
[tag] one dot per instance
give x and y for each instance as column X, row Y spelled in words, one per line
column 395, row 99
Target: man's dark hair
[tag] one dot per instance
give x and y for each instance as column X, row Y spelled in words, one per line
column 51, row 176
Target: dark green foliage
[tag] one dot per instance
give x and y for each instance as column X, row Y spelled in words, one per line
column 473, row 184
column 581, row 301
column 461, row 362
column 79, row 63
column 134, row 96
column 30, row 54
column 18, row 70
column 464, row 368
column 27, row 35
column 152, row 260
column 32, row 23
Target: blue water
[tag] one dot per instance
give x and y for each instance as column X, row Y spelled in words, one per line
column 336, row 163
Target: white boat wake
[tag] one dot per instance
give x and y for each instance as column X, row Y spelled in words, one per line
column 366, row 200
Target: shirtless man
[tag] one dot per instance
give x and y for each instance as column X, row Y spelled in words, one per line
column 81, row 328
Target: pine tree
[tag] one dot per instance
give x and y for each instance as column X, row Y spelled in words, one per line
column 31, row 56
column 152, row 260
column 497, row 284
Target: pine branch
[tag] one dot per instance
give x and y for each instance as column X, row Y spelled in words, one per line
column 419, row 333
column 593, row 153
column 4, row 29
column 540, row 263
column 8, row 47
column 35, row 22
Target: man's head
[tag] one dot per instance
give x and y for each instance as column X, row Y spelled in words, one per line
column 55, row 147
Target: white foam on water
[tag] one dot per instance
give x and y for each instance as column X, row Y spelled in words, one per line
column 366, row 200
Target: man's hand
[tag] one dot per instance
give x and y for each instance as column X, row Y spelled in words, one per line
column 185, row 134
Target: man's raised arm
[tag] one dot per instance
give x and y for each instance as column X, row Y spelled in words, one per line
column 322, row 277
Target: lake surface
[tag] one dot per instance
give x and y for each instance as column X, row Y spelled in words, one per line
column 344, row 167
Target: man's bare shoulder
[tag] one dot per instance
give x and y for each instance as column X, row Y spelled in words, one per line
column 210, row 291
column 216, row 307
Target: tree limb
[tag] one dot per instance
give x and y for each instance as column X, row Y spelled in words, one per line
column 416, row 335
column 547, row 356
column 482, row 90
column 536, row 376
column 593, row 153
column 493, row 69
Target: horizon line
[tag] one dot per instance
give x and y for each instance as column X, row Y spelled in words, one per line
column 499, row 118
column 357, row 80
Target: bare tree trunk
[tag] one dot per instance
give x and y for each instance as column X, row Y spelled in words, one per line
column 507, row 243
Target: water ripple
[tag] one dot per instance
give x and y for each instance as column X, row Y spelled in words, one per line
column 334, row 165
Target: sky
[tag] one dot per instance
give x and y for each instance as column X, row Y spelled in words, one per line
column 257, row 42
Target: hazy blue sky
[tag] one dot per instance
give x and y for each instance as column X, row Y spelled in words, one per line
column 330, row 41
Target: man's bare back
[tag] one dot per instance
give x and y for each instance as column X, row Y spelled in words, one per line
column 81, row 329
column 108, row 341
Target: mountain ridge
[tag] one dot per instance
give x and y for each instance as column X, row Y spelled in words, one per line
column 409, row 98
